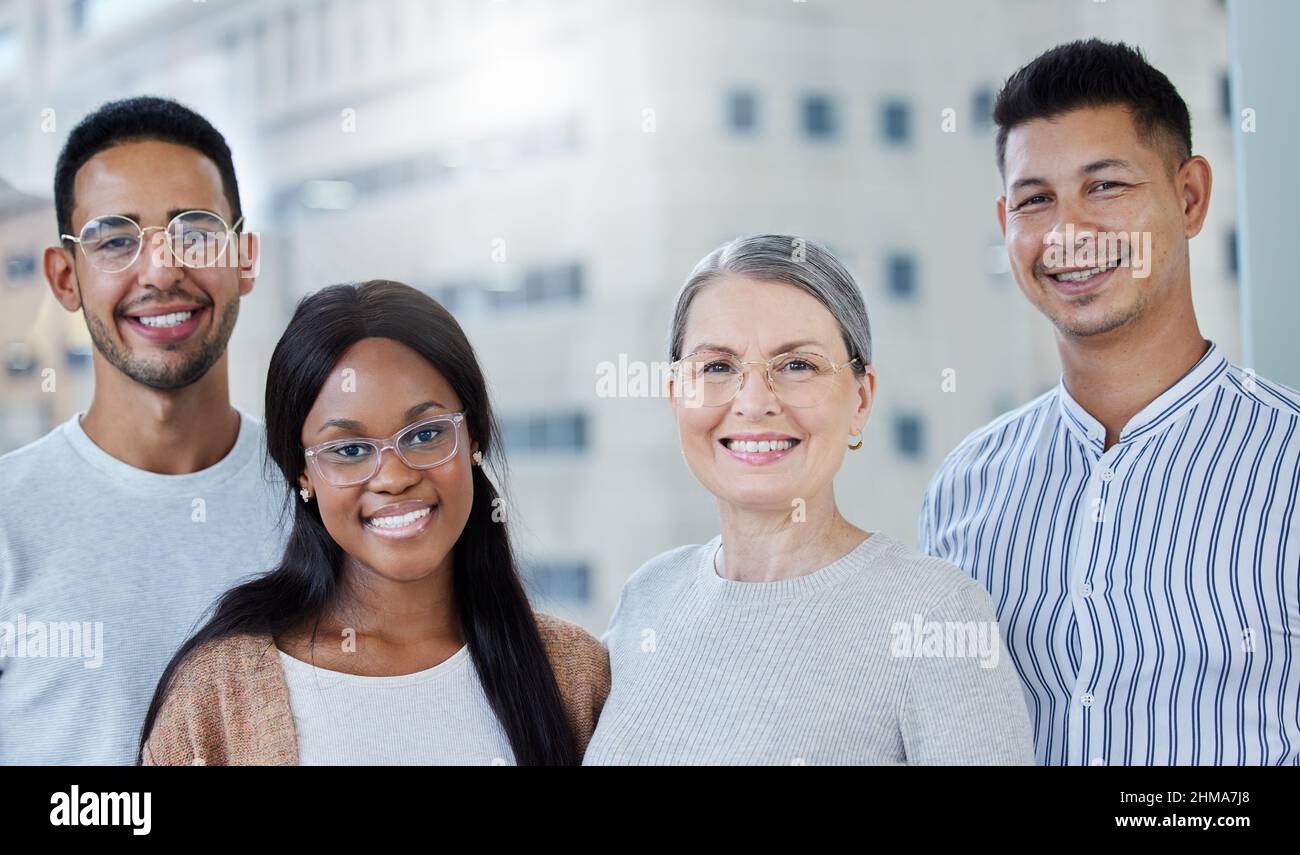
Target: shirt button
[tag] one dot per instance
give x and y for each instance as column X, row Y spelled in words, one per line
column 1107, row 474
column 1085, row 590
column 1086, row 699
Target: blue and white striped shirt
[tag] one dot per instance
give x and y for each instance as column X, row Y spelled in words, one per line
column 1148, row 594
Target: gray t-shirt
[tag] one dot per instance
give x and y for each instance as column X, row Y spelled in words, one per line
column 436, row 717
column 105, row 570
column 885, row 656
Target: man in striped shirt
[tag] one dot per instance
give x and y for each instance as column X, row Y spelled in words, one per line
column 1137, row 526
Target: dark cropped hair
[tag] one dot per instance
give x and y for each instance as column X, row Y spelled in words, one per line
column 1094, row 73
column 135, row 120
column 500, row 627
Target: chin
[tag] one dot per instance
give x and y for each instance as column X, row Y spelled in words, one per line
column 1084, row 323
column 766, row 498
column 406, row 571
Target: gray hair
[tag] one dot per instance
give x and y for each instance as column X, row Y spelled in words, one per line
column 792, row 260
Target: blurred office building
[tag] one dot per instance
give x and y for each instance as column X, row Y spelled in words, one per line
column 550, row 170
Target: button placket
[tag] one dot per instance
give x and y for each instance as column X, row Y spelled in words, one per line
column 1086, row 607
column 1081, row 589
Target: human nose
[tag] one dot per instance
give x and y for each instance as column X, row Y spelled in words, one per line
column 755, row 395
column 156, row 264
column 392, row 475
column 1074, row 226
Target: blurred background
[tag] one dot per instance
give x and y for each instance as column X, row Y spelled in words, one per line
column 550, row 170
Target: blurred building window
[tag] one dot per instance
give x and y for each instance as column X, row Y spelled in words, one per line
column 545, row 433
column 261, row 61
column 909, row 436
column 324, row 38
column 897, row 117
column 101, row 16
column 535, row 286
column 981, row 108
column 19, row 359
column 11, row 51
column 742, row 111
column 20, row 267
column 818, row 114
column 290, row 43
column 540, row 285
column 555, row 137
column 78, row 356
column 900, row 275
column 564, row 581
column 77, row 15
column 563, row 282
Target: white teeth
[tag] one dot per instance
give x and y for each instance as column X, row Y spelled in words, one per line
column 760, row 446
column 174, row 319
column 398, row 521
column 1080, row 275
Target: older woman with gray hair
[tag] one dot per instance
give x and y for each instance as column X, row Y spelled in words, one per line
column 794, row 636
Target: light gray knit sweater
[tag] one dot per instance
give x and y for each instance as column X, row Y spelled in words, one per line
column 885, row 656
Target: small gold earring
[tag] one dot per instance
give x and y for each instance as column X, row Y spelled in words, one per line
column 478, row 458
column 305, row 493
column 854, row 446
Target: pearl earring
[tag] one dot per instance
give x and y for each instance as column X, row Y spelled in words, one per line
column 478, row 458
column 305, row 493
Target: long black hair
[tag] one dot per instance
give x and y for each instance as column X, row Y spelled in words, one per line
column 497, row 620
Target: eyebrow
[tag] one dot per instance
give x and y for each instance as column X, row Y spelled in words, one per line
column 353, row 425
column 1088, row 169
column 1108, row 163
column 171, row 215
column 785, row 348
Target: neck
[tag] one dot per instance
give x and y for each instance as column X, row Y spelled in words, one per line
column 395, row 612
column 1114, row 375
column 170, row 432
column 767, row 545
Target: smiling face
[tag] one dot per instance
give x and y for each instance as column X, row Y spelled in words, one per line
column 757, row 451
column 403, row 523
column 189, row 313
column 1087, row 176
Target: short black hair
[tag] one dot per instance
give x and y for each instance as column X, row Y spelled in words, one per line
column 135, row 120
column 1094, row 73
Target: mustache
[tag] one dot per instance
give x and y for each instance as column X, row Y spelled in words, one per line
column 170, row 297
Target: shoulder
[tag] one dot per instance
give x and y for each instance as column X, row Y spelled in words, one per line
column 1258, row 390
column 977, row 444
column 34, row 458
column 666, row 571
column 218, row 704
column 581, row 667
column 579, row 660
column 566, row 641
column 230, row 657
column 917, row 583
column 222, row 667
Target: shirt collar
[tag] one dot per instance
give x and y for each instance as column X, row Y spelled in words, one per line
column 1168, row 405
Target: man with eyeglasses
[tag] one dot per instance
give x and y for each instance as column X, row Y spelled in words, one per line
column 121, row 526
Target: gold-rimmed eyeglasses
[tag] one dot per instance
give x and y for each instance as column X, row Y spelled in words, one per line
column 197, row 238
column 421, row 445
column 710, row 378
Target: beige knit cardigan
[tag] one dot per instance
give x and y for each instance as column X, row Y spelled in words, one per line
column 229, row 702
